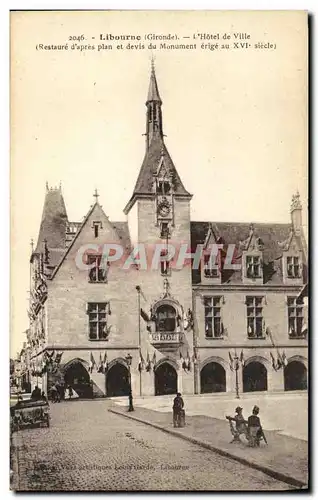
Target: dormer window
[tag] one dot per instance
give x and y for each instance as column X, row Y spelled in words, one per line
column 163, row 187
column 293, row 267
column 210, row 270
column 96, row 226
column 253, row 266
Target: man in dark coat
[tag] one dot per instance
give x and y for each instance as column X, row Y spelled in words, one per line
column 177, row 408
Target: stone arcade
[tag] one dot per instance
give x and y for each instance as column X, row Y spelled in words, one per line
column 200, row 331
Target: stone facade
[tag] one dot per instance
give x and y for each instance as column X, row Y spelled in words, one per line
column 199, row 330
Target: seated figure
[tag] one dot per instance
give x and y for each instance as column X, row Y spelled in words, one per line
column 239, row 427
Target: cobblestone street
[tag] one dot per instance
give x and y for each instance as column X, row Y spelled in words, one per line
column 88, row 448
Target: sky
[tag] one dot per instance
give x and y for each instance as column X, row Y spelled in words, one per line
column 235, row 121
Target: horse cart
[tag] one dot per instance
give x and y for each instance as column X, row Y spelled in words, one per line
column 30, row 413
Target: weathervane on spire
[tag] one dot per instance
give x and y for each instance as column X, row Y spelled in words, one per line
column 96, row 195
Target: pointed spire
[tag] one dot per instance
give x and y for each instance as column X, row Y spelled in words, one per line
column 153, row 92
column 54, row 221
column 155, row 148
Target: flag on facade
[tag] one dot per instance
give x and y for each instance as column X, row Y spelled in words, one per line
column 148, row 363
column 58, row 357
column 100, row 364
column 91, row 363
column 242, row 358
column 141, row 293
column 231, row 362
column 141, row 363
column 284, row 359
column 194, row 357
column 154, row 359
column 144, row 316
column 188, row 362
column 274, row 364
column 105, row 363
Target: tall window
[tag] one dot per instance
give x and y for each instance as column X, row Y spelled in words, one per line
column 293, row 267
column 166, row 318
column 164, row 230
column 295, row 317
column 212, row 313
column 253, row 266
column 164, row 264
column 163, row 187
column 98, row 273
column 97, row 316
column 210, row 270
column 254, row 307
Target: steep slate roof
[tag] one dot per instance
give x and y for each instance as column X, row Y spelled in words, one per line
column 236, row 232
column 123, row 232
column 144, row 184
column 153, row 92
column 54, row 221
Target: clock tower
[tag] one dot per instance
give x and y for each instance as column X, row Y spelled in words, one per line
column 159, row 192
column 159, row 223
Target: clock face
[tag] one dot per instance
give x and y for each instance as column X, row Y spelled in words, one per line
column 164, row 209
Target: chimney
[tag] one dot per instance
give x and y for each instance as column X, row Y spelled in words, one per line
column 295, row 211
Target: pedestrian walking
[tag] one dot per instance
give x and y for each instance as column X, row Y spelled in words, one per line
column 178, row 411
column 70, row 392
column 254, row 428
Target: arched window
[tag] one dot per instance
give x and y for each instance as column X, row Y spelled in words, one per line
column 166, row 318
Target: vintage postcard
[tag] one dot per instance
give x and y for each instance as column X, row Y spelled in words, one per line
column 159, row 234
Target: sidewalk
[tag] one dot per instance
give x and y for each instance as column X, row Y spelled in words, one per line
column 284, row 458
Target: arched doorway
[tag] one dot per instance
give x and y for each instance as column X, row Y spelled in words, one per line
column 117, row 380
column 295, row 376
column 213, row 378
column 254, row 377
column 166, row 380
column 78, row 378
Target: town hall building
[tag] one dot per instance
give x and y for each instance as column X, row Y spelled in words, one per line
column 231, row 318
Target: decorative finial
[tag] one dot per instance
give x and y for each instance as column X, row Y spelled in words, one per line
column 32, row 245
column 47, row 185
column 152, row 63
column 296, row 203
column 96, row 195
column 60, row 186
column 251, row 227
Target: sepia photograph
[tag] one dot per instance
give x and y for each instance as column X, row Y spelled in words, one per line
column 159, row 251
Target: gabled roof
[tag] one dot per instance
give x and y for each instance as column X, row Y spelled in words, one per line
column 271, row 236
column 54, row 221
column 149, row 169
column 121, row 230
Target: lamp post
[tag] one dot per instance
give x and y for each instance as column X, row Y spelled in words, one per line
column 128, row 361
column 236, row 362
